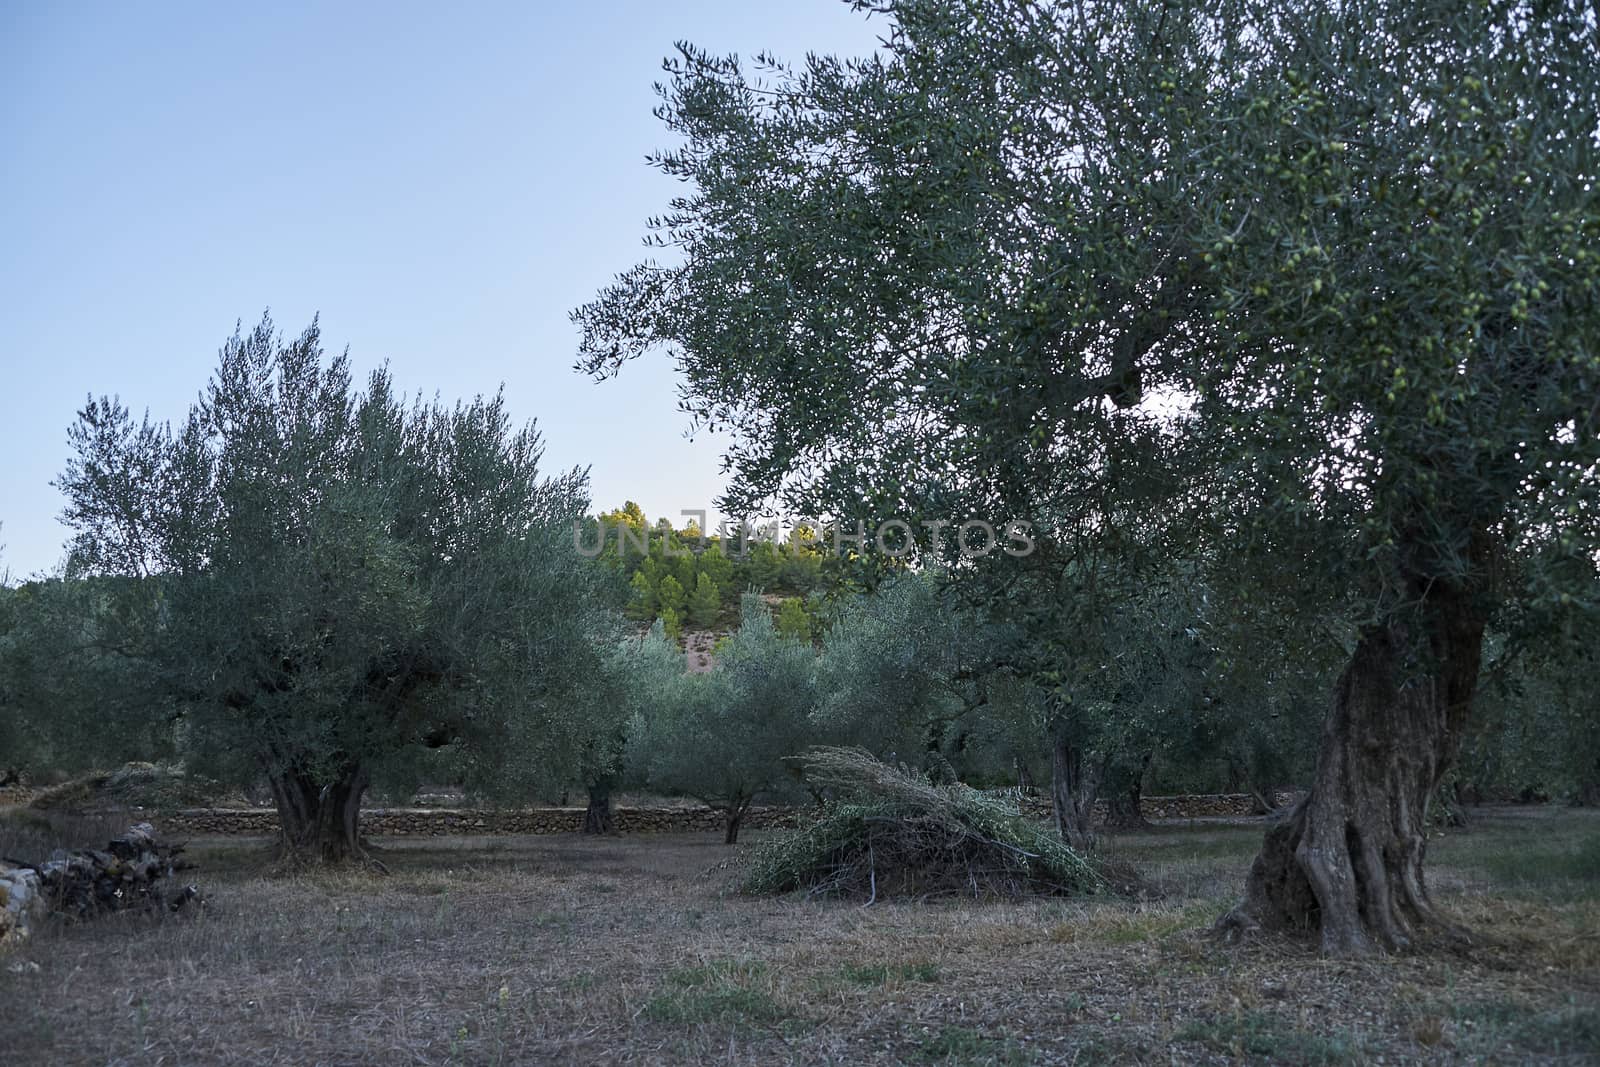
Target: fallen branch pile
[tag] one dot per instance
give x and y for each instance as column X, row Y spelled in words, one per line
column 890, row 833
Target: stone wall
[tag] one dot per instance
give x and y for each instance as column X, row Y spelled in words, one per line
column 441, row 822
column 15, row 794
column 1178, row 806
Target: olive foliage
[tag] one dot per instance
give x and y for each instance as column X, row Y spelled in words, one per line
column 349, row 590
column 730, row 735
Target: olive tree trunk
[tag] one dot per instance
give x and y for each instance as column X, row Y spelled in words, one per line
column 1346, row 863
column 320, row 824
column 1074, row 785
column 733, row 818
column 1024, row 777
column 598, row 818
column 1587, row 795
column 1123, row 805
column 1122, row 809
column 1451, row 812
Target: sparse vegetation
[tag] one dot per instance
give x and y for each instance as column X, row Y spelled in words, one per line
column 726, row 992
column 876, row 974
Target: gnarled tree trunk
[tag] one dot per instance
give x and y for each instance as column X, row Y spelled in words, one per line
column 1122, row 805
column 597, row 819
column 1074, row 784
column 1263, row 797
column 1122, row 810
column 733, row 816
column 320, row 824
column 1346, row 862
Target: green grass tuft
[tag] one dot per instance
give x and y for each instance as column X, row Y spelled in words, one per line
column 1558, row 1033
column 716, row 992
column 1545, row 864
column 1259, row 1034
column 875, row 974
column 966, row 1046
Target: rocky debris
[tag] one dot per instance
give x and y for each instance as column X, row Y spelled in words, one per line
column 21, row 902
column 135, row 871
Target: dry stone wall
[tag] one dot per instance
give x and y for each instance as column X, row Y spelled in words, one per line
column 443, row 822
column 1179, row 806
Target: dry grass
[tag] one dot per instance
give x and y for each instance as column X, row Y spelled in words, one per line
column 31, row 835
column 634, row 950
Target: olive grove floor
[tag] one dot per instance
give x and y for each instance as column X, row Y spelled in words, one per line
column 636, row 950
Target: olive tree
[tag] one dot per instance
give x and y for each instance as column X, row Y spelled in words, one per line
column 629, row 683
column 350, row 590
column 898, row 666
column 726, row 737
column 1539, row 732
column 1318, row 282
column 78, row 688
column 1112, row 680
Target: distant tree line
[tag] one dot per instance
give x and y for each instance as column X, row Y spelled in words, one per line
column 688, row 579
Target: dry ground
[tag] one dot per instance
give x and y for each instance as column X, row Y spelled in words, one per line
column 635, row 950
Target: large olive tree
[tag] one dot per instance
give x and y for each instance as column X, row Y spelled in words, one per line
column 349, row 589
column 1318, row 281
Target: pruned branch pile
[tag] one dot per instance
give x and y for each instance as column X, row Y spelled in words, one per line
column 889, row 833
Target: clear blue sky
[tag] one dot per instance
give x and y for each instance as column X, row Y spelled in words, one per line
column 442, row 182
